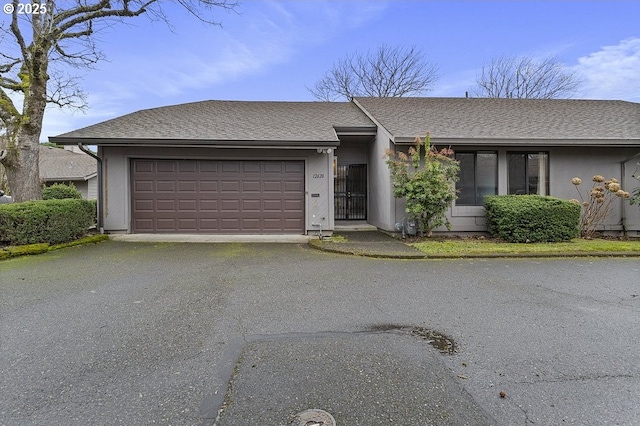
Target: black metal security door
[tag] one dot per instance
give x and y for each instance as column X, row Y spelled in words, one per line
column 350, row 188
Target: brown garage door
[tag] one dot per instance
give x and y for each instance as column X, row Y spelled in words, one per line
column 208, row 196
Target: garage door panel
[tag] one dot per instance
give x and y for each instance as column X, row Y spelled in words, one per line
column 250, row 186
column 230, row 166
column 232, row 186
column 272, row 205
column 295, row 167
column 168, row 186
column 188, row 205
column 144, row 186
column 208, row 186
column 144, row 166
column 272, row 186
column 165, row 166
column 217, row 196
column 208, row 166
column 272, row 167
column 293, row 186
column 251, row 206
column 208, row 206
column 293, row 206
column 209, row 225
column 187, row 167
column 143, row 206
column 230, row 206
column 187, row 186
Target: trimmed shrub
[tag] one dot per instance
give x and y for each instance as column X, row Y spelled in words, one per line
column 45, row 221
column 531, row 218
column 60, row 191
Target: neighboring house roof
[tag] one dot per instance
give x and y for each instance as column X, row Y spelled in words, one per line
column 57, row 164
column 239, row 122
column 570, row 122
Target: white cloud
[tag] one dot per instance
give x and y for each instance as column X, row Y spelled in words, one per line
column 613, row 72
column 159, row 69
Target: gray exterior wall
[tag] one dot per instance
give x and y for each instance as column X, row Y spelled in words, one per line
column 381, row 200
column 88, row 188
column 565, row 163
column 116, row 179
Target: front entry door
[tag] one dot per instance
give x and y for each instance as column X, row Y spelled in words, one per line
column 350, row 188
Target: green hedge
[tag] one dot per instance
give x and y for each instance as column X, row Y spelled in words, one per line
column 531, row 218
column 45, row 221
column 60, row 191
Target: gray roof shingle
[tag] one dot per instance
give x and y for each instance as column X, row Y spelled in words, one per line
column 229, row 121
column 62, row 164
column 477, row 120
column 515, row 119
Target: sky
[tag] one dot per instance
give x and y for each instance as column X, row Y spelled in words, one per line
column 276, row 49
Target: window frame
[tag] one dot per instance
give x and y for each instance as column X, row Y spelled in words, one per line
column 496, row 154
column 546, row 184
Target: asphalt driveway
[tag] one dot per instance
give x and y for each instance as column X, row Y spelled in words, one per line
column 142, row 333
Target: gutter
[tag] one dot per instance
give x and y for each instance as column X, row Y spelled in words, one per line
column 100, row 223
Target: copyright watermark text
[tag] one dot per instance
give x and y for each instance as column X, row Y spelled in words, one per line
column 25, row 8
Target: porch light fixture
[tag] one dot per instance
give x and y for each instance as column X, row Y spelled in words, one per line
column 324, row 150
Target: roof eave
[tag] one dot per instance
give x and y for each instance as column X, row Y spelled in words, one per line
column 409, row 140
column 70, row 178
column 210, row 143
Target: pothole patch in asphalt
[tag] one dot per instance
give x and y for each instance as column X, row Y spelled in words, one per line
column 443, row 343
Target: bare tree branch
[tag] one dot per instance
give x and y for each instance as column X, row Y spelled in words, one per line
column 524, row 77
column 390, row 71
column 37, row 50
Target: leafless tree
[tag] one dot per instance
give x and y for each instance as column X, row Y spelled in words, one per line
column 37, row 46
column 389, row 71
column 526, row 78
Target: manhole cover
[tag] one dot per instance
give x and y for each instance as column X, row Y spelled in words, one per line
column 313, row 417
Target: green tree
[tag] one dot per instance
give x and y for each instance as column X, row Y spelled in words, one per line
column 38, row 44
column 426, row 182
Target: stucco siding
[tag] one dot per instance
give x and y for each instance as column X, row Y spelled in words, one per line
column 381, row 200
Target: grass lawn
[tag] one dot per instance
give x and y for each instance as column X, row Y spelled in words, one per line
column 478, row 246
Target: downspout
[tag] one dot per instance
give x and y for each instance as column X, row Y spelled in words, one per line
column 100, row 223
column 623, row 183
column 623, row 210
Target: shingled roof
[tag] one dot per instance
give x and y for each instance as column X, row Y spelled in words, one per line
column 58, row 164
column 227, row 121
column 510, row 120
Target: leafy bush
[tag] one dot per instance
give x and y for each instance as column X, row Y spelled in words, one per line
column 60, row 191
column 531, row 218
column 45, row 221
column 428, row 186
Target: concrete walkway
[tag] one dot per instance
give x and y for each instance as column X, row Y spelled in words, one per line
column 370, row 244
column 207, row 238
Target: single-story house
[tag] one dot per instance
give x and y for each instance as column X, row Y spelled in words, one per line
column 69, row 167
column 302, row 167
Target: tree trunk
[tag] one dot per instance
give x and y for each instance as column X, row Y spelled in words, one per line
column 22, row 153
column 22, row 167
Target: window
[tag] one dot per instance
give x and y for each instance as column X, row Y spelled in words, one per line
column 478, row 177
column 528, row 173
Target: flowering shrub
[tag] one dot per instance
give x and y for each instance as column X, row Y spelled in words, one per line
column 428, row 187
column 596, row 207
